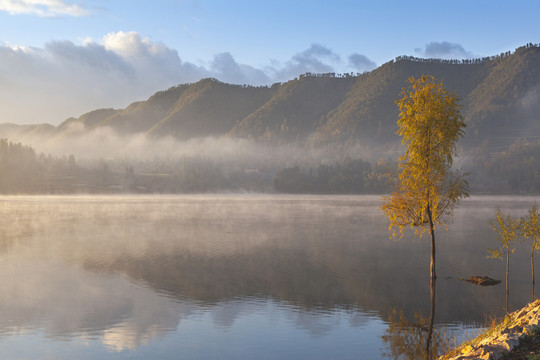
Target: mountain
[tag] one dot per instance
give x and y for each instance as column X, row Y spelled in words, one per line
column 506, row 101
column 209, row 108
column 296, row 109
column 369, row 112
column 499, row 97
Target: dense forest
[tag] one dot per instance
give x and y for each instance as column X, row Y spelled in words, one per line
column 352, row 176
column 26, row 172
column 340, row 126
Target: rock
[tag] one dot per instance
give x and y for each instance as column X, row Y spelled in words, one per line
column 516, row 329
column 494, row 346
column 481, row 280
column 488, row 340
column 508, row 341
column 511, row 344
column 488, row 351
column 522, row 312
column 535, row 309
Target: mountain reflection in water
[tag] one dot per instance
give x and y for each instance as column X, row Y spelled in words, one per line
column 287, row 276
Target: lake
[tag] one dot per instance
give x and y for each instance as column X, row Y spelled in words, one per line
column 238, row 277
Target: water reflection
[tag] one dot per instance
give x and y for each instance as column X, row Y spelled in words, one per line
column 413, row 340
column 64, row 300
column 315, row 273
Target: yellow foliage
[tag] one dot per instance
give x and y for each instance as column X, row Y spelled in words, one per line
column 507, row 229
column 530, row 227
column 430, row 124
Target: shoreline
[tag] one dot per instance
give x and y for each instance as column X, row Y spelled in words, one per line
column 496, row 342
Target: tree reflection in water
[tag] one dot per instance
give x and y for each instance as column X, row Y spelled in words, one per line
column 413, row 340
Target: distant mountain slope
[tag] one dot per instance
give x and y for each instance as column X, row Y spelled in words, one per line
column 209, row 108
column 14, row 131
column 368, row 112
column 296, row 109
column 140, row 116
column 506, row 101
column 86, row 121
column 500, row 98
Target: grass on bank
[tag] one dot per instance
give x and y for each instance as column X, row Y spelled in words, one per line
column 493, row 325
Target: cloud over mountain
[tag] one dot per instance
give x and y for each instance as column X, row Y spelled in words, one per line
column 444, row 50
column 65, row 79
column 361, row 62
column 316, row 59
column 228, row 70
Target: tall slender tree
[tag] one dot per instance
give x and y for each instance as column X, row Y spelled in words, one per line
column 507, row 230
column 427, row 188
column 530, row 229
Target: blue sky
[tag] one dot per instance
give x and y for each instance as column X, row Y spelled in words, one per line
column 69, row 56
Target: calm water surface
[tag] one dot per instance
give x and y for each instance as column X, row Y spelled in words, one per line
column 236, row 277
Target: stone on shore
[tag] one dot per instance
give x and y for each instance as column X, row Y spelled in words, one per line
column 496, row 342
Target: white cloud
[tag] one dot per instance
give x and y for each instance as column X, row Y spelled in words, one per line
column 315, row 59
column 132, row 44
column 361, row 62
column 64, row 79
column 43, row 8
column 444, row 50
column 228, row 70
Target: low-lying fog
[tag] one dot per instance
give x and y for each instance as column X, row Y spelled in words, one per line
column 106, row 143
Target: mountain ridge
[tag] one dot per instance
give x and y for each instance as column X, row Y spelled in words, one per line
column 499, row 95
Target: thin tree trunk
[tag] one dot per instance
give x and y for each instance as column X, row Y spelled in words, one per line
column 507, row 268
column 429, row 355
column 532, row 269
column 433, row 277
column 432, row 272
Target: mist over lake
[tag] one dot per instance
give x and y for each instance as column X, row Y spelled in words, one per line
column 229, row 276
column 227, row 180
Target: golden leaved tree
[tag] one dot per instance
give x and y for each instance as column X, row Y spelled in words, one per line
column 529, row 227
column 430, row 125
column 508, row 230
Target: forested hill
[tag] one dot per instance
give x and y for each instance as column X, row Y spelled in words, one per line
column 499, row 96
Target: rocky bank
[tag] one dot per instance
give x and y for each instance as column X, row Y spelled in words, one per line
column 494, row 343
